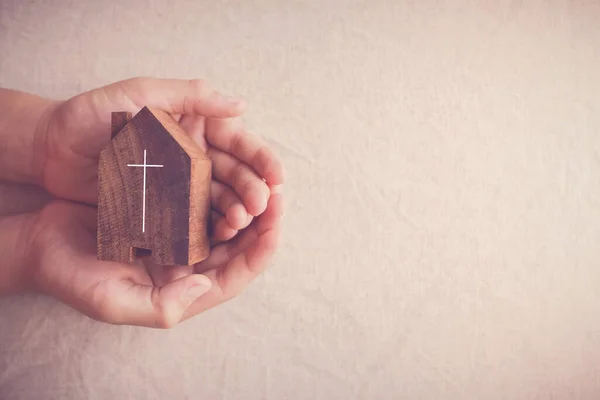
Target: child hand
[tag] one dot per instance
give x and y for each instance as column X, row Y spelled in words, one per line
column 62, row 238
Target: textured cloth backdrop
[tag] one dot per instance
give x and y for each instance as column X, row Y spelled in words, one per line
column 442, row 232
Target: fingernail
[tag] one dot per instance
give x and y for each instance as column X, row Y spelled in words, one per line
column 193, row 293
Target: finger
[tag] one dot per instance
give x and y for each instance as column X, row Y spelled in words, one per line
column 248, row 148
column 222, row 253
column 223, row 198
column 221, row 230
column 232, row 278
column 175, row 96
column 250, row 187
column 229, row 204
column 194, row 125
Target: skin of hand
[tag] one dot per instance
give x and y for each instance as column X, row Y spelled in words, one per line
column 53, row 250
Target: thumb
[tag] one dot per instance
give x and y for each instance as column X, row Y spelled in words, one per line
column 158, row 307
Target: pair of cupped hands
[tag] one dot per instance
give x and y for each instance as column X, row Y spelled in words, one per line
column 58, row 242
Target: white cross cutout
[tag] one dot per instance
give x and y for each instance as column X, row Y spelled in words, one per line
column 144, row 165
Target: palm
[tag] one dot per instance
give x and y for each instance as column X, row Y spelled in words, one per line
column 77, row 131
column 70, row 271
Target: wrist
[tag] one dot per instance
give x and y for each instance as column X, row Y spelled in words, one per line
column 15, row 264
column 23, row 126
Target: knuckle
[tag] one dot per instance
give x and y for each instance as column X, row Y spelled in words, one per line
column 198, row 85
column 237, row 176
column 247, row 187
column 196, row 89
column 236, row 144
column 263, row 158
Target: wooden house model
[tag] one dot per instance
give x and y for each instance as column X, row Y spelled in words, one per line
column 153, row 192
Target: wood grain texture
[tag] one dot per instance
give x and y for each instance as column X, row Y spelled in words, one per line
column 118, row 121
column 174, row 229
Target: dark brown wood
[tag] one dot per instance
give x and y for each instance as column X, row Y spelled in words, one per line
column 118, row 121
column 171, row 223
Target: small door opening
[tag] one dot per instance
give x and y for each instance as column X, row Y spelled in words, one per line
column 140, row 252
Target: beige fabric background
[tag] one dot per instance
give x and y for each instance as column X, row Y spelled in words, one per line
column 442, row 233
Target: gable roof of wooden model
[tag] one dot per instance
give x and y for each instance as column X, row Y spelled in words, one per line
column 149, row 116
